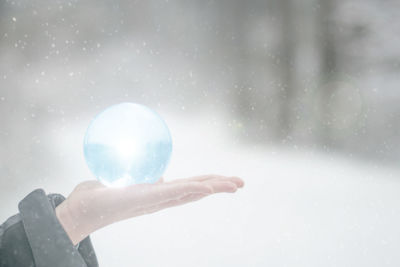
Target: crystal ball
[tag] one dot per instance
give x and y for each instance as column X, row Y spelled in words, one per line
column 127, row 144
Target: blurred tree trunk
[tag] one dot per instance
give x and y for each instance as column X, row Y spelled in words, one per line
column 243, row 94
column 328, row 68
column 286, row 60
column 241, row 71
column 245, row 98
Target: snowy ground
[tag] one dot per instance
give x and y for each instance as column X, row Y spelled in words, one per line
column 298, row 208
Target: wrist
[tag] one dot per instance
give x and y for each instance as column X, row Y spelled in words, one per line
column 71, row 223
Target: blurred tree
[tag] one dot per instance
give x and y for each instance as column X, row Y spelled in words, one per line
column 243, row 94
column 328, row 69
column 286, row 60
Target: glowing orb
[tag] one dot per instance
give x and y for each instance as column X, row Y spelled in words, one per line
column 127, row 144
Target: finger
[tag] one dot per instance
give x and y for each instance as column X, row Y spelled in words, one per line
column 222, row 179
column 179, row 190
column 183, row 193
column 149, row 195
column 200, row 178
column 236, row 180
column 221, row 186
column 176, row 202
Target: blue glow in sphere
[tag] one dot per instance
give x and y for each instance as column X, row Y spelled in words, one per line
column 127, row 144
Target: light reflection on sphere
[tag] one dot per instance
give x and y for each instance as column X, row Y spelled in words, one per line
column 127, row 144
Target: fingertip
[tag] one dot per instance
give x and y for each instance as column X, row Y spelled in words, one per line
column 238, row 181
column 232, row 188
column 223, row 186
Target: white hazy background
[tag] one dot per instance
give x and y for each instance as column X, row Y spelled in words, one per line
column 299, row 98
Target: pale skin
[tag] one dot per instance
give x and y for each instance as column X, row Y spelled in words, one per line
column 92, row 206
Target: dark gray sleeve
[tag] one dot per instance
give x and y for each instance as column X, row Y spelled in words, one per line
column 34, row 237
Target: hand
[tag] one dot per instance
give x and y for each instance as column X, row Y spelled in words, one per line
column 92, row 205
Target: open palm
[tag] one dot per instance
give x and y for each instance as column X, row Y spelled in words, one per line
column 92, row 205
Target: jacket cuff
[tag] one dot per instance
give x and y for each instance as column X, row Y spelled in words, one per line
column 48, row 240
